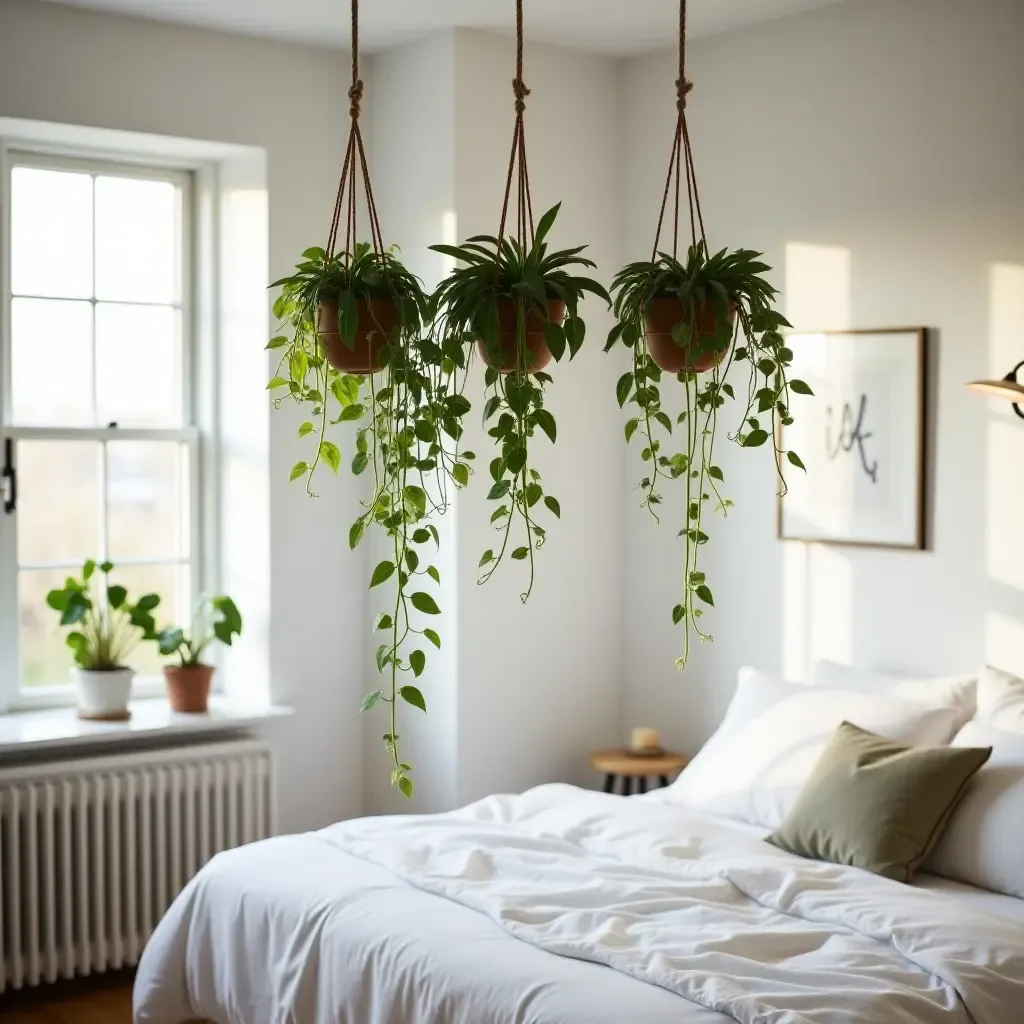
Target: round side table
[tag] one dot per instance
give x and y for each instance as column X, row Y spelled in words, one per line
column 636, row 769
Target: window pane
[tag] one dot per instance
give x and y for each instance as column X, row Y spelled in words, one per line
column 58, row 502
column 51, row 233
column 137, row 254
column 147, row 488
column 45, row 657
column 51, row 363
column 171, row 583
column 138, row 365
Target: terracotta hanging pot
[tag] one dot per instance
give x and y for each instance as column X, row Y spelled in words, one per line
column 539, row 355
column 188, row 687
column 663, row 316
column 376, row 318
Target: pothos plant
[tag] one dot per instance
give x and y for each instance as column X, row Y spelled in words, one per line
column 406, row 410
column 686, row 316
column 521, row 306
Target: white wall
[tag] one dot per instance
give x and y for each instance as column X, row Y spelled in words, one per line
column 892, row 136
column 64, row 65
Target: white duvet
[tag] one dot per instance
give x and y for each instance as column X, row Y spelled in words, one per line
column 566, row 907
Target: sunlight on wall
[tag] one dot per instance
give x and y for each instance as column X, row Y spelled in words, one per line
column 1006, row 318
column 1004, row 643
column 817, row 583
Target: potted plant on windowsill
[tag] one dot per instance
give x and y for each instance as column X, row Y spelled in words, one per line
column 105, row 628
column 519, row 306
column 188, row 682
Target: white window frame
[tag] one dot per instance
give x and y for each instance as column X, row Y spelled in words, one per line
column 13, row 696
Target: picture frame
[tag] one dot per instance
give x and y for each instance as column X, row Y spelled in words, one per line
column 862, row 438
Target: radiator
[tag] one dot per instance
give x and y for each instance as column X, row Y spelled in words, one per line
column 93, row 851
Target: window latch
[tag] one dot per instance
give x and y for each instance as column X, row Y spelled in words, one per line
column 9, row 476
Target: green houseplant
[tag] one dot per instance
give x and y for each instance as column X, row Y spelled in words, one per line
column 404, row 408
column 105, row 627
column 188, row 682
column 519, row 304
column 681, row 318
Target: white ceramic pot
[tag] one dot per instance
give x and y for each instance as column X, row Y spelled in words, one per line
column 103, row 693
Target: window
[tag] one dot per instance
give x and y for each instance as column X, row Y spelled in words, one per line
column 96, row 400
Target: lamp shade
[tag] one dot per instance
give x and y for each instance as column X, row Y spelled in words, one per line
column 1008, row 388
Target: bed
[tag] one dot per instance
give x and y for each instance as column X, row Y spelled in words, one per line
column 561, row 906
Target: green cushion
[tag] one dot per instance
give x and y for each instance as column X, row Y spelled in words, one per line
column 875, row 804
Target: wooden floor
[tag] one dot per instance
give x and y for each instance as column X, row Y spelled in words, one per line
column 105, row 1000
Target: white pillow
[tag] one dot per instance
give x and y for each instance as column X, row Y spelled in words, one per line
column 959, row 692
column 1001, row 700
column 984, row 843
column 774, row 733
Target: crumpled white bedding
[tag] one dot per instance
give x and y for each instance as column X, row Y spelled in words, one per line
column 454, row 918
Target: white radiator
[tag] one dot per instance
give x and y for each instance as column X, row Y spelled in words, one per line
column 93, row 851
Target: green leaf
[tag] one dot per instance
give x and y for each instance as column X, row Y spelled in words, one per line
column 415, row 500
column 433, row 573
column 715, row 473
column 370, row 699
column 147, row 602
column 330, row 454
column 299, row 469
column 277, row 382
column 424, row 603
column 623, row 388
column 405, row 786
column 116, row 596
column 486, row 558
column 705, row 595
column 677, row 614
column 383, row 572
column 306, row 428
column 460, row 473
column 554, row 336
column 800, row 387
column 795, row 460
column 552, row 504
column 520, row 553
column 279, row 342
column 355, row 534
column 499, row 490
column 631, row 429
column 88, row 569
column 57, row 600
column 345, row 390
column 417, row 662
column 384, row 622
column 433, row 638
column 350, row 413
column 359, row 463
column 105, row 567
column 546, row 422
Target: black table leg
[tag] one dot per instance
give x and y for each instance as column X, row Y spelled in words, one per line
column 609, row 783
column 663, row 779
column 641, row 784
column 627, row 785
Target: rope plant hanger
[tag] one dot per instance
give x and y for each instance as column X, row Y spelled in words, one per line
column 357, row 349
column 708, row 321
column 518, row 303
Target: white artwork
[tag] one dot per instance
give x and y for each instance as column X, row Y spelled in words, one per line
column 862, row 439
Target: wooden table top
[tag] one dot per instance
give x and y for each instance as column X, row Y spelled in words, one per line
column 620, row 761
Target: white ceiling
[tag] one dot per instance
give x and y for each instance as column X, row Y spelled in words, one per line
column 616, row 27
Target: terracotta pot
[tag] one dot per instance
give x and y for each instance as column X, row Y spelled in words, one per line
column 663, row 317
column 188, row 687
column 376, row 318
column 539, row 353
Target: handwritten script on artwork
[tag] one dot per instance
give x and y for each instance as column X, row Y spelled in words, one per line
column 850, row 434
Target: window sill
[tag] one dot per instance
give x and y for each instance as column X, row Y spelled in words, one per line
column 59, row 729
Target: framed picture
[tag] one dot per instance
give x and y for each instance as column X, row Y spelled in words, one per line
column 862, row 439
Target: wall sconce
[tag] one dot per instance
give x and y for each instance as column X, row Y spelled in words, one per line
column 1009, row 388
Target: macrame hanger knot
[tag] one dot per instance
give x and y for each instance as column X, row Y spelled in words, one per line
column 355, row 95
column 683, row 89
column 521, row 92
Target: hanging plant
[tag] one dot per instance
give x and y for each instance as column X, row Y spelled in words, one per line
column 518, row 304
column 685, row 318
column 358, row 349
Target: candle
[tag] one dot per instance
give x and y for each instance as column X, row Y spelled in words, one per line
column 646, row 740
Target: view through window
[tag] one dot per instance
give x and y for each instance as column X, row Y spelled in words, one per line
column 97, row 400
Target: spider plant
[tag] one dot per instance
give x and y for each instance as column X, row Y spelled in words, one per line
column 521, row 306
column 686, row 316
column 406, row 422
